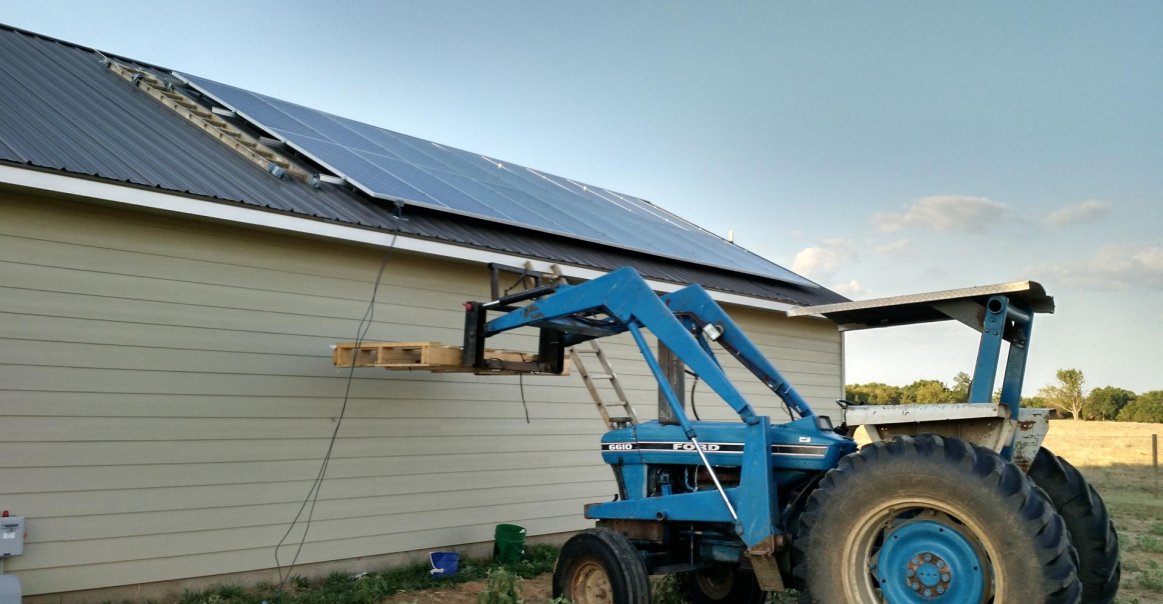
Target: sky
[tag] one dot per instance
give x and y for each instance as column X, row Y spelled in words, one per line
column 879, row 148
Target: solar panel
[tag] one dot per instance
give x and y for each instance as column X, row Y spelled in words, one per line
column 401, row 168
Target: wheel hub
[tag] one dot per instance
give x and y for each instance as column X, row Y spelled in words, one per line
column 928, row 575
column 590, row 584
column 715, row 582
column 931, row 558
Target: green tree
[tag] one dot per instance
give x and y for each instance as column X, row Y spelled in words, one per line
column 960, row 390
column 1147, row 407
column 1106, row 402
column 1068, row 393
column 873, row 393
column 1034, row 402
column 925, row 391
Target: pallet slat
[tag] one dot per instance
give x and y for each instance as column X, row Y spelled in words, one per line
column 426, row 356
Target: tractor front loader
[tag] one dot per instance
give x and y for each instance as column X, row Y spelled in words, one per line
column 950, row 504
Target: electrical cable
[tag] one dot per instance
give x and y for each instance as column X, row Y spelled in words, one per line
column 520, row 280
column 521, row 383
column 312, row 497
column 694, row 385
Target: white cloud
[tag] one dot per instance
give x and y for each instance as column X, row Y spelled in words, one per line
column 892, row 247
column 944, row 213
column 1086, row 211
column 1115, row 266
column 822, row 261
column 852, row 289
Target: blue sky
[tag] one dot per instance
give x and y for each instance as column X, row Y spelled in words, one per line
column 879, row 148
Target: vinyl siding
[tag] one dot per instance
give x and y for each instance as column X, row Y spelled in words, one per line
column 166, row 396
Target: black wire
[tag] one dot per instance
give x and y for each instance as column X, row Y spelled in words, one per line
column 519, row 281
column 521, row 383
column 312, row 497
column 694, row 409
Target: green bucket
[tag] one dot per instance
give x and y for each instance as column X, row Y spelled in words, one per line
column 509, row 543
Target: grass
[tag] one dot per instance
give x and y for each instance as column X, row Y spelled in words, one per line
column 1116, row 458
column 371, row 588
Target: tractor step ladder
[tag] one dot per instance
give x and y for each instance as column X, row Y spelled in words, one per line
column 624, row 412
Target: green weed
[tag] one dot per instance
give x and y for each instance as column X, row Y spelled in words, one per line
column 1151, row 580
column 669, row 590
column 222, row 594
column 501, row 588
column 1149, row 543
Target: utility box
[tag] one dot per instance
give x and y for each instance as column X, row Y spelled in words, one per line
column 11, row 536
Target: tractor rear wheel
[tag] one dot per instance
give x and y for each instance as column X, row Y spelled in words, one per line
column 722, row 583
column 1091, row 531
column 928, row 519
column 599, row 566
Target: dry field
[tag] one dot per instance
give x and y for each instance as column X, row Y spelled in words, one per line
column 1116, row 458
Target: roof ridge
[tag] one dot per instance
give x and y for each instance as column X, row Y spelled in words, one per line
column 96, row 51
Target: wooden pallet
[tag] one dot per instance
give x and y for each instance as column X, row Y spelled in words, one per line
column 423, row 356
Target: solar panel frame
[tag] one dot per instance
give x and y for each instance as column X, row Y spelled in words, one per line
column 404, row 169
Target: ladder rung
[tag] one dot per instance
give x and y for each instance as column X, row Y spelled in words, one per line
column 601, row 376
column 619, row 420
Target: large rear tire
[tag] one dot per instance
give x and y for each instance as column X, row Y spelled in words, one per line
column 1091, row 531
column 722, row 584
column 599, row 566
column 929, row 519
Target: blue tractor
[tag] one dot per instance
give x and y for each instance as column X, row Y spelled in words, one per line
column 950, row 504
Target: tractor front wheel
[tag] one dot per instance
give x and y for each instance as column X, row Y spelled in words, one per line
column 935, row 520
column 722, row 583
column 599, row 566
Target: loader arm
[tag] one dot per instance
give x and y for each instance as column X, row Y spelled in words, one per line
column 630, row 305
column 695, row 307
column 683, row 321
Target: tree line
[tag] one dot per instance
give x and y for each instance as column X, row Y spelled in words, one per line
column 1067, row 394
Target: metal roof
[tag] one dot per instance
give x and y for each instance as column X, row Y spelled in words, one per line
column 61, row 109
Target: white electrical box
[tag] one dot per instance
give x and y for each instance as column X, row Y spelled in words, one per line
column 11, row 536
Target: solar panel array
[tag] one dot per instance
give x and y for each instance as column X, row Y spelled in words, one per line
column 401, row 168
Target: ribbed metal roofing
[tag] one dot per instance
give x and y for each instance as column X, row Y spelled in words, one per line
column 62, row 109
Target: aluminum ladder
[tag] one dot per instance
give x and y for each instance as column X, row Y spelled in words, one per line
column 625, row 415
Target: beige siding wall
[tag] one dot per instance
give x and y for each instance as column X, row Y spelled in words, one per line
column 166, row 396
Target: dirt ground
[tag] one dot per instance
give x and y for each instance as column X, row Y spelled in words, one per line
column 533, row 591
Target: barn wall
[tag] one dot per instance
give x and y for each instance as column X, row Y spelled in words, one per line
column 167, row 394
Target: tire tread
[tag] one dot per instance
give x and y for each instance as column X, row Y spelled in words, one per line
column 1088, row 524
column 1045, row 527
